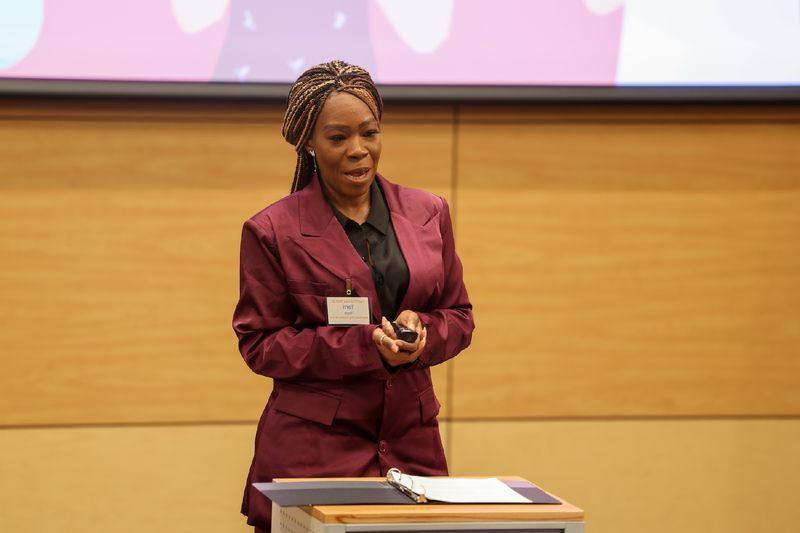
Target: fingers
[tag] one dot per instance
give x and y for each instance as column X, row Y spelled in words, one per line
column 384, row 341
column 408, row 346
column 387, row 328
column 394, row 351
column 393, row 358
column 397, row 359
column 423, row 339
column 413, row 350
column 413, row 346
column 389, row 344
column 409, row 319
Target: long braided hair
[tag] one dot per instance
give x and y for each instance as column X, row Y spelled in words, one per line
column 306, row 98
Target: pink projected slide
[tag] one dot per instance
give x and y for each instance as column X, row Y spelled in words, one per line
column 420, row 42
column 515, row 42
column 142, row 40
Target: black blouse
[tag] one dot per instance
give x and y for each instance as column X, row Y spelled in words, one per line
column 376, row 243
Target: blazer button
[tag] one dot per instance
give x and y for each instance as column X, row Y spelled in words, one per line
column 388, row 383
column 383, row 447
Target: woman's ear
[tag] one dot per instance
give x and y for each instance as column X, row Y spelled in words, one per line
column 310, row 149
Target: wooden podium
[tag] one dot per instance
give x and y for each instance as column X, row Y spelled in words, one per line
column 505, row 518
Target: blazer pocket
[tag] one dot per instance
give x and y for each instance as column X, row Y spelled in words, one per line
column 307, row 404
column 428, row 406
column 301, row 286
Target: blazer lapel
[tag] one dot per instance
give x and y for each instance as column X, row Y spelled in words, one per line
column 405, row 231
column 325, row 241
column 411, row 237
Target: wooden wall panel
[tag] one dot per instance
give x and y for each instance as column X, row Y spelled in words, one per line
column 608, row 113
column 132, row 479
column 418, row 154
column 120, row 306
column 630, row 270
column 190, row 110
column 618, row 156
column 125, row 479
column 715, row 476
column 119, row 245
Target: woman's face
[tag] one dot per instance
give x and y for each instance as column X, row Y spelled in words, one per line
column 347, row 144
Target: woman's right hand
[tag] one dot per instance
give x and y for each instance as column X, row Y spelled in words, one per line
column 386, row 342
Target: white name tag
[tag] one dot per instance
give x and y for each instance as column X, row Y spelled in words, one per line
column 348, row 310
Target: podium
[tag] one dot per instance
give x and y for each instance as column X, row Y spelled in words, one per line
column 505, row 518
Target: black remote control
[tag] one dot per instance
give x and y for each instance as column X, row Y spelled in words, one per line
column 404, row 334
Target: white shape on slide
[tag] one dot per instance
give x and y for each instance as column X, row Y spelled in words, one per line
column 20, row 26
column 296, row 65
column 338, row 20
column 242, row 72
column 194, row 16
column 710, row 42
column 422, row 24
column 248, row 21
column 602, row 7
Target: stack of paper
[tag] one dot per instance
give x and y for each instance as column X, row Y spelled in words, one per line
column 465, row 490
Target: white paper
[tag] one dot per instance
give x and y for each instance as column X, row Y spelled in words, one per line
column 466, row 490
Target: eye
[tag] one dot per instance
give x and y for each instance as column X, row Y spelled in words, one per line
column 371, row 133
column 337, row 138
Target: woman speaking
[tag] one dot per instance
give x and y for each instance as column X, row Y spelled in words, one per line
column 323, row 274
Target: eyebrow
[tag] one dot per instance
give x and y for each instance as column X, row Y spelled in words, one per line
column 345, row 127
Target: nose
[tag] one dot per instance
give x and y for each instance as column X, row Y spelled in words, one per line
column 357, row 150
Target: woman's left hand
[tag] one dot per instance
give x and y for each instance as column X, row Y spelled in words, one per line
column 407, row 319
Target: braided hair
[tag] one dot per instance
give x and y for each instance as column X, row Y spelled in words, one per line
column 306, row 98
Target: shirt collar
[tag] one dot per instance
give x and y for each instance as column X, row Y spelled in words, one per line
column 378, row 216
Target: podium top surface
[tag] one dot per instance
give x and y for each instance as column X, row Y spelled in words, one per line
column 355, row 514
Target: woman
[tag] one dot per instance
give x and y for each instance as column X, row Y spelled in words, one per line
column 347, row 400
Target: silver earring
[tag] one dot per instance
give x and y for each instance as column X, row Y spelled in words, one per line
column 312, row 153
column 313, row 160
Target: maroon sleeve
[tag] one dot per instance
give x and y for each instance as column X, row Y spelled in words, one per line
column 450, row 325
column 264, row 321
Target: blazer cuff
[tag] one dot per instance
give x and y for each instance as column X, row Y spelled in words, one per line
column 427, row 321
column 373, row 360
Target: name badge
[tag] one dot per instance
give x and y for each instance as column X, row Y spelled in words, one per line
column 348, row 310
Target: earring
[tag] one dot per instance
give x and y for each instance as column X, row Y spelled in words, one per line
column 313, row 160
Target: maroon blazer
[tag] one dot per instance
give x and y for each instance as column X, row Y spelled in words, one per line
column 335, row 409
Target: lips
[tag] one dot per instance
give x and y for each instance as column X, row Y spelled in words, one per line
column 358, row 172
